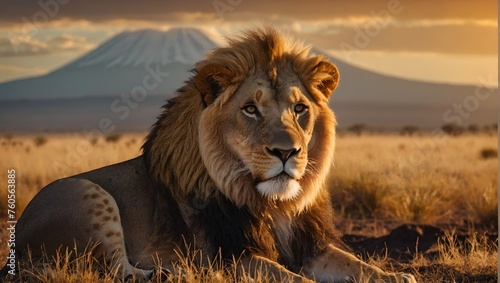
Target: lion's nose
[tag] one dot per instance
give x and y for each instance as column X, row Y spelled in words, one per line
column 283, row 154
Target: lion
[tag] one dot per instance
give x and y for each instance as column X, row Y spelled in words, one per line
column 236, row 164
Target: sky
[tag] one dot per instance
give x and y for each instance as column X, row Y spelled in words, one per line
column 452, row 41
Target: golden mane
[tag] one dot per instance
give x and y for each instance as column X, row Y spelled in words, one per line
column 172, row 151
column 270, row 50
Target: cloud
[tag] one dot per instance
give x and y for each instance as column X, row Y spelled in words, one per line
column 22, row 45
column 448, row 26
column 41, row 12
column 368, row 34
column 446, row 22
column 68, row 43
column 387, row 22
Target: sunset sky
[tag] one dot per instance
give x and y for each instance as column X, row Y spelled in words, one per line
column 447, row 41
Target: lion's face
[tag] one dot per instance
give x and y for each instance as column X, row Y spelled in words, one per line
column 267, row 137
column 268, row 130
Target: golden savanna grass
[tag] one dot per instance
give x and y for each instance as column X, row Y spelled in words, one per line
column 427, row 179
column 379, row 182
column 40, row 163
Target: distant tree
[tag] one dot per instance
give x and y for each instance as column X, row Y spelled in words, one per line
column 358, row 129
column 473, row 128
column 487, row 129
column 453, row 129
column 39, row 141
column 112, row 138
column 490, row 129
column 409, row 130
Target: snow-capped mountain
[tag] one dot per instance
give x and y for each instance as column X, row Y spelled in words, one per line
column 119, row 65
column 82, row 93
column 148, row 47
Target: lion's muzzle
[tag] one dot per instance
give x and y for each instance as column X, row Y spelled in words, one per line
column 283, row 154
column 281, row 179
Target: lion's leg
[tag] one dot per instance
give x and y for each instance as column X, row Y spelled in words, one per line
column 336, row 265
column 75, row 214
column 106, row 230
column 257, row 266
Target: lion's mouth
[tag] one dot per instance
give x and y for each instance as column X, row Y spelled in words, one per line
column 281, row 176
column 280, row 187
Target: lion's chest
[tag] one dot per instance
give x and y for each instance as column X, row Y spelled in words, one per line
column 234, row 230
column 282, row 230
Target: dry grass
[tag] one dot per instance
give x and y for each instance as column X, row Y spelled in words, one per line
column 377, row 179
column 192, row 267
column 451, row 261
column 60, row 156
column 416, row 179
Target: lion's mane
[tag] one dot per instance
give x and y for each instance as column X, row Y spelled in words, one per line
column 172, row 149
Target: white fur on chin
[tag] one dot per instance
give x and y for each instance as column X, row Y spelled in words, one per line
column 280, row 188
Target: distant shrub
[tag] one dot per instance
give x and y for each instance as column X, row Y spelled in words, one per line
column 358, row 129
column 39, row 141
column 113, row 138
column 130, row 142
column 94, row 141
column 474, row 129
column 453, row 129
column 409, row 130
column 490, row 129
column 487, row 153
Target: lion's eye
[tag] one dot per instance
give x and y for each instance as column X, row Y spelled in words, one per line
column 250, row 109
column 300, row 108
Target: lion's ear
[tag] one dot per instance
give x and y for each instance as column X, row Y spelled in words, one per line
column 327, row 77
column 211, row 80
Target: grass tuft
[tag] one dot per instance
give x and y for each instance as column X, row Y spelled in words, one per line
column 487, row 153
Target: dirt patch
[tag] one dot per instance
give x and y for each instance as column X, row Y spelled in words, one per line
column 404, row 242
column 401, row 244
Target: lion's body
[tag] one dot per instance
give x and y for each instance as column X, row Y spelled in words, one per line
column 235, row 164
column 87, row 208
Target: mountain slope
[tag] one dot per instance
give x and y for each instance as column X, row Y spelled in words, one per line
column 388, row 102
column 129, row 60
column 147, row 47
